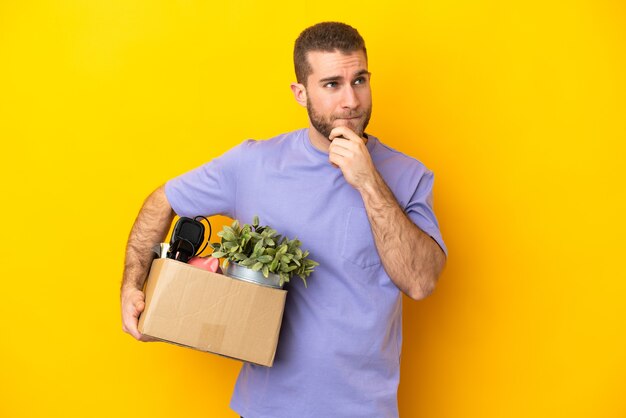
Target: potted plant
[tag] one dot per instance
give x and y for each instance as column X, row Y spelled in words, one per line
column 257, row 254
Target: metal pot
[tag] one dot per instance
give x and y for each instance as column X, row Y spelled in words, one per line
column 246, row 274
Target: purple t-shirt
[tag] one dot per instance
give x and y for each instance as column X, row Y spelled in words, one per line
column 338, row 353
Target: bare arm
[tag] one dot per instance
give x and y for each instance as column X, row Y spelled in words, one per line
column 151, row 226
column 411, row 258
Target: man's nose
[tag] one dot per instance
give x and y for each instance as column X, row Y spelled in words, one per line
column 349, row 99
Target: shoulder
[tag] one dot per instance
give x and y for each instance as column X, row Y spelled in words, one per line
column 271, row 144
column 253, row 152
column 389, row 159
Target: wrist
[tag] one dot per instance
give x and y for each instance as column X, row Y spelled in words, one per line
column 370, row 185
column 130, row 287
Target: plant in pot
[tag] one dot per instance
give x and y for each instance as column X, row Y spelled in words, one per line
column 258, row 254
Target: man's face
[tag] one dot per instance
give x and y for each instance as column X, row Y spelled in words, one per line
column 338, row 91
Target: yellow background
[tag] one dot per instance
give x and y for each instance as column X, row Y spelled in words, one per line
column 519, row 107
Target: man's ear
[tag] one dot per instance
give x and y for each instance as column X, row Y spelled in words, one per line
column 299, row 93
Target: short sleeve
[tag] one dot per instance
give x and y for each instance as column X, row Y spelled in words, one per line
column 420, row 209
column 209, row 189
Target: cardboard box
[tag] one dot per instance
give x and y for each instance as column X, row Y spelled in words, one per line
column 188, row 306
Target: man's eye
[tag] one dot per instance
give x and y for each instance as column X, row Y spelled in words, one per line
column 360, row 80
column 331, row 84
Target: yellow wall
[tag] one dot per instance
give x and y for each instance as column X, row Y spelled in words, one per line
column 518, row 106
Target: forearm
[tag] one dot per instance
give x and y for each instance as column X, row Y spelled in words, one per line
column 151, row 226
column 411, row 258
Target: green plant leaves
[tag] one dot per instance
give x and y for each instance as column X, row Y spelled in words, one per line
column 229, row 245
column 248, row 262
column 262, row 249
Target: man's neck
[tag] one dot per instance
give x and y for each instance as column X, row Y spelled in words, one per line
column 318, row 140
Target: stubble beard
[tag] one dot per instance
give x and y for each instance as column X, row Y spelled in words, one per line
column 325, row 125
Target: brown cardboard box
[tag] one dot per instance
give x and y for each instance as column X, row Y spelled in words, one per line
column 192, row 307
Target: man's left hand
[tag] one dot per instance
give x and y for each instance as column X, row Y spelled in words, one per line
column 348, row 152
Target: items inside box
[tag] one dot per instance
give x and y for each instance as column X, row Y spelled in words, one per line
column 186, row 244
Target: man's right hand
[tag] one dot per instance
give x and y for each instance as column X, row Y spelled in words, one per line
column 133, row 304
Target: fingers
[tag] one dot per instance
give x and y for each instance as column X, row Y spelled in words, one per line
column 139, row 307
column 347, row 133
column 342, row 147
column 133, row 305
column 336, row 159
column 346, row 147
column 130, row 322
column 348, row 152
column 340, row 151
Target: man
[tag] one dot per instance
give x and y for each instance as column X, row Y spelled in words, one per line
column 363, row 210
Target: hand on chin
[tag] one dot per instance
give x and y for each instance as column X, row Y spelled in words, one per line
column 350, row 124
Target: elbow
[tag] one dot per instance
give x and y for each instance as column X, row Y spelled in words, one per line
column 422, row 288
column 426, row 282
